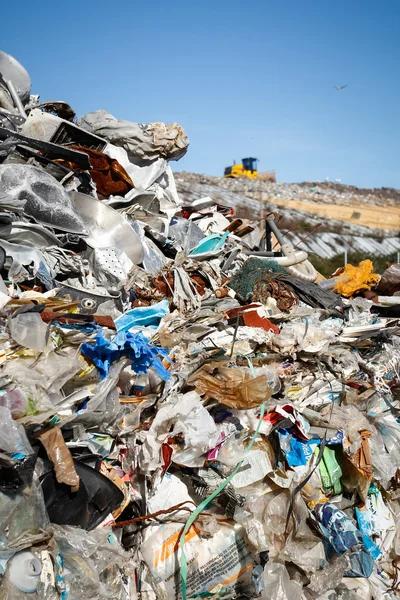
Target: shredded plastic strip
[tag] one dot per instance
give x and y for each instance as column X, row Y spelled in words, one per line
column 202, row 505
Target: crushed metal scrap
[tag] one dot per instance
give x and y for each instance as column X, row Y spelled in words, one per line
column 186, row 409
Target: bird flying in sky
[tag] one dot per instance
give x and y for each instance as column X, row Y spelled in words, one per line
column 340, row 88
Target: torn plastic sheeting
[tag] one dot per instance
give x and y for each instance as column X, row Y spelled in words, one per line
column 181, row 416
column 278, row 585
column 311, row 293
column 143, row 316
column 136, row 347
column 167, row 192
column 168, row 493
column 329, row 577
column 17, row 460
column 15, row 399
column 28, row 330
column 23, row 517
column 361, row 460
column 361, row 564
column 13, row 439
column 305, row 336
column 92, row 563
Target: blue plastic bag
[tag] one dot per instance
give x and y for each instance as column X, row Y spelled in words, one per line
column 136, row 347
column 143, row 316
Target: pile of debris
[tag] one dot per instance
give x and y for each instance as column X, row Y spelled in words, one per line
column 322, row 235
column 325, row 192
column 184, row 411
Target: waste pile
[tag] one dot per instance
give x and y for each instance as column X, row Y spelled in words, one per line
column 185, row 410
column 323, row 192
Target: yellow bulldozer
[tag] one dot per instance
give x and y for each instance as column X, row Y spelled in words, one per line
column 248, row 169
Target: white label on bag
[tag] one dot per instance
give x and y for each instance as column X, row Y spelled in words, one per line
column 255, row 466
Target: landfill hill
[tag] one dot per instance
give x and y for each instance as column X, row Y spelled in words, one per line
column 334, row 217
column 328, row 192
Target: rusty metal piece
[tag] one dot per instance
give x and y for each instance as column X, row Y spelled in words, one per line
column 268, row 287
column 102, row 320
column 109, row 176
column 221, row 292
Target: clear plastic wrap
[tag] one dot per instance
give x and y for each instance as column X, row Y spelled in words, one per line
column 10, row 434
column 330, row 576
column 278, row 585
column 28, row 330
column 93, row 563
column 15, row 399
column 21, row 513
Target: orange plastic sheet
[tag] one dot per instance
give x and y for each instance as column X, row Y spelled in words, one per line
column 360, row 279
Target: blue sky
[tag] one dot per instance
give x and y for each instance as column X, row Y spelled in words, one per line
column 243, row 78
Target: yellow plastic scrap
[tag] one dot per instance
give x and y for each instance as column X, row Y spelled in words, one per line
column 360, row 278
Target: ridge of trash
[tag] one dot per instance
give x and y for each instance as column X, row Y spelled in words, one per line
column 329, row 192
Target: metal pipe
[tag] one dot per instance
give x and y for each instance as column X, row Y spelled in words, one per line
column 275, row 230
column 263, row 253
column 16, row 98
